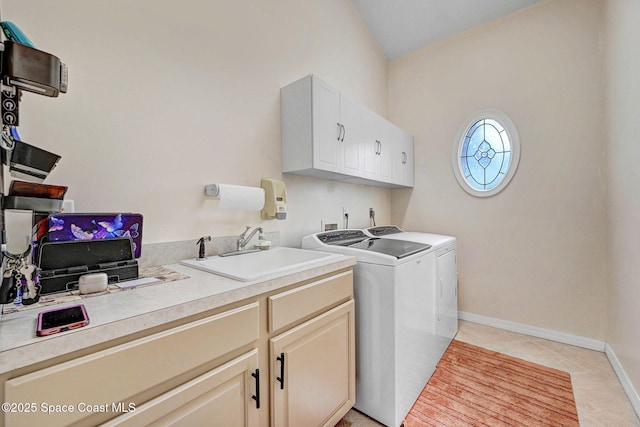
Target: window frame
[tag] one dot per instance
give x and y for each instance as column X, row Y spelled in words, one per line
column 514, row 140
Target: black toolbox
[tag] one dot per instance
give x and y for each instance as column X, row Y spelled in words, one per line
column 63, row 262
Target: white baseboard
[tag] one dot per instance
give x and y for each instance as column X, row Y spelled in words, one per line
column 632, row 394
column 565, row 338
column 534, row 331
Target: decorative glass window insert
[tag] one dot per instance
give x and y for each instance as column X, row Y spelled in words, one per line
column 486, row 154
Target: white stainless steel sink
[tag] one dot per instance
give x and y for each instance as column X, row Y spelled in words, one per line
column 257, row 265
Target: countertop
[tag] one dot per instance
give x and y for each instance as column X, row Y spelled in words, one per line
column 119, row 314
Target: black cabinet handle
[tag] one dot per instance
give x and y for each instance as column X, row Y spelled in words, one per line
column 339, row 130
column 256, row 396
column 344, row 132
column 281, row 377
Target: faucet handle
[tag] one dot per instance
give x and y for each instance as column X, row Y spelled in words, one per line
column 246, row 230
column 203, row 239
column 201, row 248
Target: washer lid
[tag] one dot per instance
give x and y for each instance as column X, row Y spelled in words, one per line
column 396, row 248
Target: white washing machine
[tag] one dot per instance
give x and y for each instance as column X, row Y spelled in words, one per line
column 446, row 277
column 396, row 345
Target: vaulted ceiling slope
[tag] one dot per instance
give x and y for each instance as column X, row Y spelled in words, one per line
column 402, row 26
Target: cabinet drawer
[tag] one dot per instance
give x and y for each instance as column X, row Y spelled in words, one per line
column 287, row 307
column 221, row 397
column 118, row 374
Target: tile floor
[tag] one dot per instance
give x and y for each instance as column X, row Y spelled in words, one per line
column 600, row 399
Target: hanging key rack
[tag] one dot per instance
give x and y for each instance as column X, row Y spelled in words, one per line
column 23, row 68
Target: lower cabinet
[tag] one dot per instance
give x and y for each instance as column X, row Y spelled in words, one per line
column 226, row 396
column 293, row 366
column 313, row 370
column 97, row 387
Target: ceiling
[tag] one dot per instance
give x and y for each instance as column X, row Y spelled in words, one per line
column 402, row 26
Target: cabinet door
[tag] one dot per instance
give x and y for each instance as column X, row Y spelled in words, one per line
column 369, row 144
column 350, row 138
column 326, row 126
column 403, row 159
column 377, row 147
column 313, row 370
column 407, row 160
column 222, row 397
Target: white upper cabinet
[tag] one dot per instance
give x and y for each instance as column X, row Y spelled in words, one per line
column 327, row 135
column 320, row 129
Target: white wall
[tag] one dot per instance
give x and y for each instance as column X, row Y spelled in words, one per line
column 623, row 128
column 166, row 97
column 534, row 253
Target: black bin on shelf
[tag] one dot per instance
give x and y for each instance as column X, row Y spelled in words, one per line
column 62, row 263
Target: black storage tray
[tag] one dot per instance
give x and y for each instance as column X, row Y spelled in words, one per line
column 63, row 262
column 36, row 204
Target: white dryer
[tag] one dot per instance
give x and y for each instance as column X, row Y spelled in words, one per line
column 446, row 277
column 396, row 346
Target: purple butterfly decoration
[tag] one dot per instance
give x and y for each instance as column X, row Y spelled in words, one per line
column 112, row 226
column 86, row 227
column 81, row 234
column 56, row 224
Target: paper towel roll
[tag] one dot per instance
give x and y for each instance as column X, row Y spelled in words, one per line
column 237, row 197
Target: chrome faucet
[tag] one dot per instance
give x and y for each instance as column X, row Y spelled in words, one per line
column 245, row 238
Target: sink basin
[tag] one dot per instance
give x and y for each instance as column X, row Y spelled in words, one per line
column 257, row 265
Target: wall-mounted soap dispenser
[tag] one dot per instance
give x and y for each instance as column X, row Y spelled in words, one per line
column 275, row 203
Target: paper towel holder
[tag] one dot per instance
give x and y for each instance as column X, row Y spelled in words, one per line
column 275, row 199
column 212, row 190
column 236, row 197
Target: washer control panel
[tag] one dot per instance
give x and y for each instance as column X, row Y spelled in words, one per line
column 342, row 237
